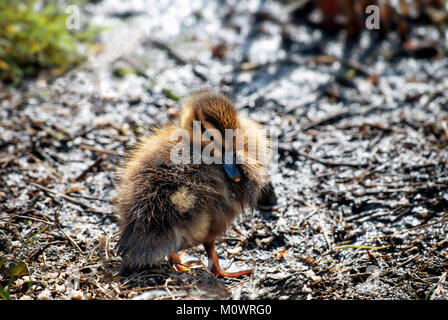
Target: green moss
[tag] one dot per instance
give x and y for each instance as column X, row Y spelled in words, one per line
column 34, row 36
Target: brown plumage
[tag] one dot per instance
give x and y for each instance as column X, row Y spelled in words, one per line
column 166, row 207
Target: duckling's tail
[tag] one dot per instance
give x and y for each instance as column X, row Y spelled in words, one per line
column 145, row 249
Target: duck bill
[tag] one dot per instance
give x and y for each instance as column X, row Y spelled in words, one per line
column 232, row 171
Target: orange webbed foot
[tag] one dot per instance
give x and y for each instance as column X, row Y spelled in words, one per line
column 177, row 263
column 220, row 273
column 214, row 263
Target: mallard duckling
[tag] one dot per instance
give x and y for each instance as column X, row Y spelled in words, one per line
column 167, row 206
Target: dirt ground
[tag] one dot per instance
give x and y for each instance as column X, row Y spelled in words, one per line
column 361, row 174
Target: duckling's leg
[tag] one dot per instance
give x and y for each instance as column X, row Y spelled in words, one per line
column 213, row 262
column 182, row 266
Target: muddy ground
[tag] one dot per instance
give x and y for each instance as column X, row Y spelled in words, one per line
column 361, row 177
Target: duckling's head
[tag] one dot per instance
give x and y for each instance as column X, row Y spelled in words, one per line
column 212, row 110
column 214, row 123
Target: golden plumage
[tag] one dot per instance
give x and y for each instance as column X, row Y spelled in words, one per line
column 166, row 207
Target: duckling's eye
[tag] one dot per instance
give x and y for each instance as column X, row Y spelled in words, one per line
column 216, row 123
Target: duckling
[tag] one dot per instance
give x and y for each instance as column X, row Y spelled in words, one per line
column 167, row 206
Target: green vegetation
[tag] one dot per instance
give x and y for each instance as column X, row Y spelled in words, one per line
column 34, row 36
column 15, row 268
column 13, row 271
column 169, row 94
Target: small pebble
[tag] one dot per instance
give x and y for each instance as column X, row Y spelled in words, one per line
column 44, row 295
column 76, row 295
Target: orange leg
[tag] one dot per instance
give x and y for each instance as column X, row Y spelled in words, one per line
column 182, row 266
column 213, row 262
